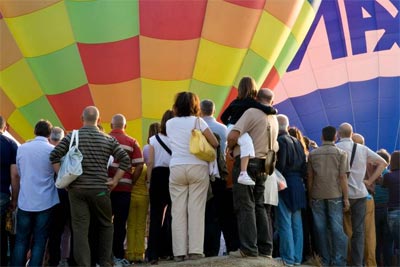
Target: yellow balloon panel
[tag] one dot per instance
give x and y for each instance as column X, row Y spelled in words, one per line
column 158, row 96
column 269, row 37
column 134, row 129
column 303, row 22
column 19, row 84
column 43, row 31
column 20, row 125
column 116, row 98
column 225, row 65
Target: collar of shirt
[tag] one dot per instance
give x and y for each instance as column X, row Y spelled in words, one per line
column 328, row 143
column 208, row 118
column 119, row 131
column 41, row 139
column 346, row 139
column 91, row 127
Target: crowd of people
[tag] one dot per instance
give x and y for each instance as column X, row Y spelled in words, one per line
column 340, row 204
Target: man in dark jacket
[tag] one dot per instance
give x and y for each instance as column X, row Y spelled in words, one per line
column 291, row 163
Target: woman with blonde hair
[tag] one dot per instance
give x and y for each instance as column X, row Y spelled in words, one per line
column 189, row 178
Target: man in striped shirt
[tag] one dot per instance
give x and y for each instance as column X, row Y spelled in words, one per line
column 121, row 195
column 89, row 194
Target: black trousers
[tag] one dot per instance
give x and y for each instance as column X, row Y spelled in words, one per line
column 220, row 216
column 61, row 215
column 160, row 236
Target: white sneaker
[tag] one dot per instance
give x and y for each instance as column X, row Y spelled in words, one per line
column 63, row 263
column 245, row 179
column 121, row 262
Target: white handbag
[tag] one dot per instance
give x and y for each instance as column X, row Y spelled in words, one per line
column 71, row 163
column 271, row 195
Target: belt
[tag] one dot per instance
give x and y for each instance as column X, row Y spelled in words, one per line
column 393, row 209
column 258, row 160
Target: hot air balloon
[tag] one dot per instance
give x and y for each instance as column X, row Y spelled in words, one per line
column 132, row 57
column 348, row 70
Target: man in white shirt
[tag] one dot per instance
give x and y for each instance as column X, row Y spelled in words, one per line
column 357, row 190
column 37, row 196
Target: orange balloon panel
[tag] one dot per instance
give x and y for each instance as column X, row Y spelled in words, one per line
column 124, row 98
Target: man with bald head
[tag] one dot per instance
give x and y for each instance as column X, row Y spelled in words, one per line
column 253, row 223
column 362, row 156
column 89, row 194
column 121, row 195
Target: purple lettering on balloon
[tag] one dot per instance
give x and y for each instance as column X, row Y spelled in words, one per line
column 379, row 19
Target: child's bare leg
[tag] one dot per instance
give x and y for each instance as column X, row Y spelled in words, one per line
column 244, row 161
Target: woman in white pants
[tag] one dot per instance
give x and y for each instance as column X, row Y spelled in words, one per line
column 189, row 178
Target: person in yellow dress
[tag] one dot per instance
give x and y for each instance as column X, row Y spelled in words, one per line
column 138, row 210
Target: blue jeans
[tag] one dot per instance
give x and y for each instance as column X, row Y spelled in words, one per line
column 28, row 223
column 394, row 228
column 253, row 223
column 354, row 227
column 290, row 231
column 332, row 244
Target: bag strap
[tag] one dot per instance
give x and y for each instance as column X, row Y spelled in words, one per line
column 353, row 153
column 197, row 122
column 269, row 137
column 74, row 137
column 163, row 145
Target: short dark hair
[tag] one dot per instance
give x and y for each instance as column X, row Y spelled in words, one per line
column 169, row 114
column 186, row 104
column 43, row 128
column 207, row 107
column 328, row 133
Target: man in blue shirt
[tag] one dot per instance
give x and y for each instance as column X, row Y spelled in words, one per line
column 37, row 196
column 207, row 113
column 219, row 209
column 8, row 177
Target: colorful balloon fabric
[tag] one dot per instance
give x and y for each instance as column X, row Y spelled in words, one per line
column 348, row 70
column 132, row 57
